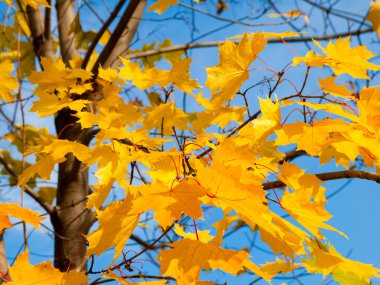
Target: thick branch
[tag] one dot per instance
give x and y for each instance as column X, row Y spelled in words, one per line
column 28, row 190
column 101, row 32
column 66, row 16
column 332, row 176
column 122, row 35
column 217, row 43
column 40, row 32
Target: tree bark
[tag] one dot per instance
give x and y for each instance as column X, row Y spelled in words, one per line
column 70, row 218
column 40, row 32
column 66, row 16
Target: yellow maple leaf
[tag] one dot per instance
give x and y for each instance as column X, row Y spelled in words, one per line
column 230, row 188
column 50, row 104
column 328, row 85
column 188, row 257
column 26, row 215
column 306, row 203
column 291, row 14
column 33, row 3
column 313, row 138
column 162, row 5
column 225, row 79
column 109, row 75
column 55, row 151
column 374, row 15
column 369, row 108
column 56, row 76
column 112, row 160
column 165, row 116
column 144, row 79
column 7, row 82
column 179, row 76
column 341, row 58
column 116, row 224
column 274, row 268
column 202, row 236
column 326, row 260
column 42, row 167
column 23, row 273
column 169, row 202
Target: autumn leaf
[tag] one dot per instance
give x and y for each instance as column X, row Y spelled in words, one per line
column 306, row 203
column 326, row 260
column 274, row 268
column 169, row 202
column 225, row 79
column 23, row 214
column 374, row 15
column 55, row 151
column 48, row 194
column 162, row 5
column 341, row 58
column 50, row 104
column 42, row 167
column 313, row 138
column 7, row 82
column 232, row 188
column 116, row 224
column 328, row 85
column 142, row 79
column 187, row 258
column 23, row 273
column 165, row 117
column 55, row 76
column 291, row 14
column 33, row 3
column 369, row 107
column 178, row 75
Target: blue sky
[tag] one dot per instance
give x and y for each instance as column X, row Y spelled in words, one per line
column 355, row 209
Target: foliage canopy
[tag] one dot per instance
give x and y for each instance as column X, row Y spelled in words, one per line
column 172, row 167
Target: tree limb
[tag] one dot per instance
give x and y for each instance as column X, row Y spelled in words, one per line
column 102, row 30
column 332, row 176
column 217, row 43
column 40, row 32
column 66, row 16
column 122, row 35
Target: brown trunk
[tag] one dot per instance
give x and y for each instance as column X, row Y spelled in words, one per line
column 71, row 220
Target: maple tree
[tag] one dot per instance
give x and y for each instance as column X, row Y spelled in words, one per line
column 141, row 167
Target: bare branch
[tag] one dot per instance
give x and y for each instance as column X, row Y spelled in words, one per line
column 217, row 43
column 332, row 176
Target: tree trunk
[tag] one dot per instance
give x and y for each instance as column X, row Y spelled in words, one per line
column 71, row 220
